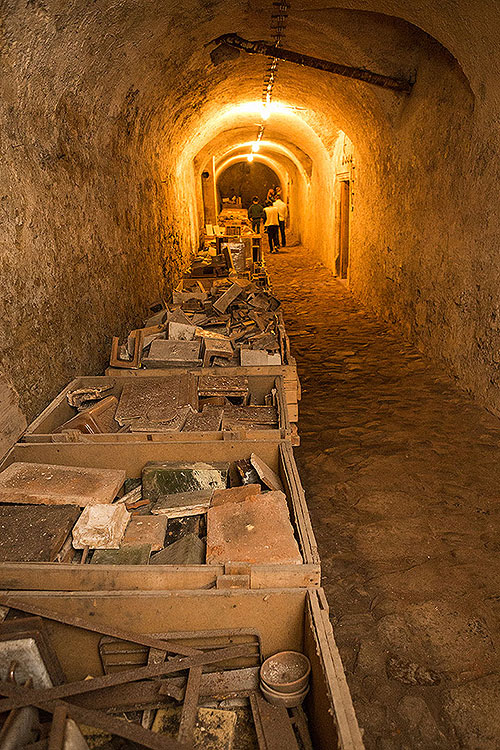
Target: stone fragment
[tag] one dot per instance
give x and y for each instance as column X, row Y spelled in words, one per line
column 159, row 400
column 215, row 347
column 410, row 673
column 101, row 527
column 96, row 419
column 168, row 353
column 189, row 550
column 254, row 358
column 146, row 530
column 160, row 479
column 181, row 331
column 80, row 396
column 227, row 298
column 222, row 385
column 138, row 555
column 266, row 474
column 235, row 494
column 49, row 484
column 182, row 504
column 208, row 420
column 214, row 729
column 257, row 530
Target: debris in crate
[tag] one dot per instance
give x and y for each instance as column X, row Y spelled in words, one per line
column 160, row 479
column 208, row 420
column 188, row 550
column 137, row 554
column 101, row 527
column 168, row 353
column 266, row 416
column 181, row 504
column 246, row 472
column 266, row 474
column 257, row 530
column 258, row 358
column 216, row 348
column 80, row 397
column 177, row 528
column 35, row 533
column 222, row 303
column 146, row 530
column 222, row 385
column 95, row 419
column 212, row 729
column 48, row 484
column 26, row 642
column 159, row 404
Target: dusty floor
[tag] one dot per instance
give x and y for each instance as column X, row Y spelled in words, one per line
column 402, row 476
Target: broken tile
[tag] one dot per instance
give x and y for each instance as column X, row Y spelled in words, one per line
column 235, row 494
column 257, row 530
column 80, row 396
column 214, row 347
column 266, row 474
column 223, row 385
column 265, row 415
column 101, row 527
column 168, row 353
column 48, row 484
column 189, row 550
column 208, row 420
column 159, row 401
column 259, row 358
column 161, row 479
column 34, row 533
column 182, row 504
column 146, row 530
column 138, row 555
column 246, row 472
column 225, row 299
column 96, row 419
column 181, row 331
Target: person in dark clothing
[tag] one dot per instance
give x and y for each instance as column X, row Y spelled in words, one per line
column 271, row 226
column 256, row 214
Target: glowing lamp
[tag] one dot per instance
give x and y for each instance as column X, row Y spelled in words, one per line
column 250, row 157
column 255, row 147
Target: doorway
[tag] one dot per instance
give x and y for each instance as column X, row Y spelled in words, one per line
column 344, row 229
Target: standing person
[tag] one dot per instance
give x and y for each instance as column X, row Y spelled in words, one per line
column 256, row 214
column 280, row 204
column 271, row 225
column 271, row 195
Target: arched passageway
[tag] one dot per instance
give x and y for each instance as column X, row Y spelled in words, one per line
column 115, row 121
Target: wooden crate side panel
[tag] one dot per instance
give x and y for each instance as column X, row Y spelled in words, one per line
column 301, row 515
column 330, row 707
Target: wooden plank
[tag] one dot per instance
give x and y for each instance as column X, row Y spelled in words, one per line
column 65, row 577
column 302, row 519
column 349, row 734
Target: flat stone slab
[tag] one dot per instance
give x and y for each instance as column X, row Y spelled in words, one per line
column 266, row 474
column 138, row 555
column 34, row 533
column 208, row 420
column 257, row 530
column 190, row 550
column 157, row 400
column 146, row 530
column 172, row 353
column 48, row 484
column 235, row 494
column 182, row 504
column 101, row 527
column 160, row 479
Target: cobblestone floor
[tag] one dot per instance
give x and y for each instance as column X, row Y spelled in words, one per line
column 402, row 475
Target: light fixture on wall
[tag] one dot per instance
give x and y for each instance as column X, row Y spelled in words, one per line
column 250, row 157
column 255, row 147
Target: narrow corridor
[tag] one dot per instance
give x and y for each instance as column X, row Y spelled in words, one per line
column 401, row 474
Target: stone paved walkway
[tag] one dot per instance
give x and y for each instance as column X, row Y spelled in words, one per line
column 402, row 475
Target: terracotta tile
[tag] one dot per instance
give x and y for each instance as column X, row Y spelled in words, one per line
column 257, row 530
column 146, row 530
column 235, row 494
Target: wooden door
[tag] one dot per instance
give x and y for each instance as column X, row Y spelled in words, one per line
column 344, row 228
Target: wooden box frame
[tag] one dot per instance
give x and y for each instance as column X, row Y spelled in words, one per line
column 132, row 457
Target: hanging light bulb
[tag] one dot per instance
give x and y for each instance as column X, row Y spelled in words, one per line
column 250, row 157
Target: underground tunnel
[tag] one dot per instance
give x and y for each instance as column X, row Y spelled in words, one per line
column 121, row 139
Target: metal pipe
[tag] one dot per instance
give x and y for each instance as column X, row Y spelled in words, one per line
column 269, row 50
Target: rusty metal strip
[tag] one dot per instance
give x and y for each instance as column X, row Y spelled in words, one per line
column 80, row 622
column 137, row 695
column 118, row 678
column 190, row 705
column 111, row 724
column 58, row 727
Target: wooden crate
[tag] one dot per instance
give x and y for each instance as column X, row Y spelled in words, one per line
column 132, row 457
column 291, row 382
column 59, row 411
column 295, row 619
